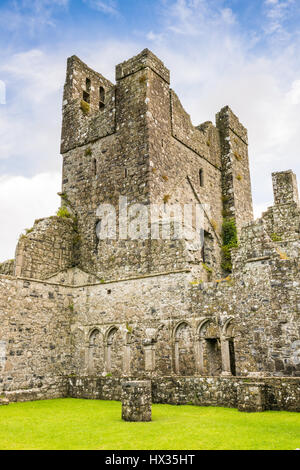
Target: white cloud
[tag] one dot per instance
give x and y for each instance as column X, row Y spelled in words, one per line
column 30, row 126
column 22, row 200
column 33, row 15
column 2, row 92
column 277, row 11
column 30, row 120
column 212, row 66
column 108, row 6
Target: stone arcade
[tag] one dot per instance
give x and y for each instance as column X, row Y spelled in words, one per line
column 80, row 316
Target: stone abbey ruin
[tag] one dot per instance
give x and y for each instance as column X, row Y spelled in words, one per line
column 212, row 326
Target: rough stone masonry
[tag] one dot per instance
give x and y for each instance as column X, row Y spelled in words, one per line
column 80, row 315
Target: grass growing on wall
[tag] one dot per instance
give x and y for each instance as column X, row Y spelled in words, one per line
column 91, row 424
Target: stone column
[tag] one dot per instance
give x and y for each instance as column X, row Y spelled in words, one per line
column 136, row 400
column 226, row 369
column 252, row 396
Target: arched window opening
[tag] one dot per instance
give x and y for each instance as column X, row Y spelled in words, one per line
column 184, row 359
column 228, row 352
column 95, row 360
column 209, row 355
column 110, row 349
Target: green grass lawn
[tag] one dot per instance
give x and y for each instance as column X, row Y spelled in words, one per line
column 89, row 424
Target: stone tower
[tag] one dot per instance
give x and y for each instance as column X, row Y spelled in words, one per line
column 135, row 140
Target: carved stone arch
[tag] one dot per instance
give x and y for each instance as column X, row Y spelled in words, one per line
column 208, row 348
column 158, row 353
column 95, row 363
column 228, row 348
column 149, row 346
column 92, row 336
column 108, row 337
column 228, row 328
column 184, row 357
column 200, row 345
column 113, row 341
column 202, row 326
column 179, row 325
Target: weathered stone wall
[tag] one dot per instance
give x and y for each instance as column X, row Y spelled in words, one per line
column 7, row 267
column 34, row 339
column 246, row 325
column 126, row 319
column 46, row 249
column 280, row 393
column 236, row 184
column 84, row 119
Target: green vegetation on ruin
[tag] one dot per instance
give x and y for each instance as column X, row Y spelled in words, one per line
column 92, row 424
column 207, row 268
column 63, row 212
column 275, row 237
column 85, row 107
column 229, row 241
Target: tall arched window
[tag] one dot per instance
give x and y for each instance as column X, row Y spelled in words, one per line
column 228, row 353
column 95, row 358
column 110, row 349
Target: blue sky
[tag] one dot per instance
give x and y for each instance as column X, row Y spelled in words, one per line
column 236, row 52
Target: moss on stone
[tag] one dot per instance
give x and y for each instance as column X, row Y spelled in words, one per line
column 85, row 107
column 63, row 212
column 207, row 268
column 275, row 237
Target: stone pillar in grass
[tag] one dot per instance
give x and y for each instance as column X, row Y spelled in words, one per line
column 136, row 400
column 252, row 396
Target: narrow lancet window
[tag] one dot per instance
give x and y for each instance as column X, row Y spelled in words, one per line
column 201, row 177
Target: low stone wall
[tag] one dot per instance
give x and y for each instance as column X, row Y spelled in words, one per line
column 59, row 389
column 202, row 391
column 281, row 393
column 100, row 388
